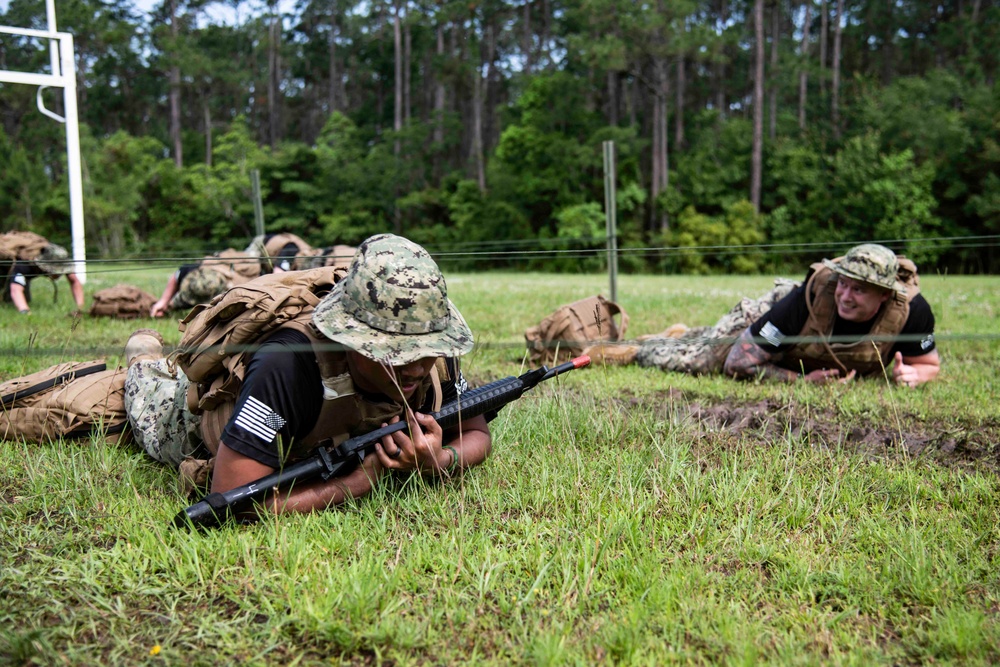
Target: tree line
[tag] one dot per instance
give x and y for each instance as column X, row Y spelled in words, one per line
column 773, row 125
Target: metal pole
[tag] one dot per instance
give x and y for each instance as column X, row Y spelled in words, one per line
column 75, row 173
column 610, row 208
column 258, row 206
column 50, row 15
column 63, row 76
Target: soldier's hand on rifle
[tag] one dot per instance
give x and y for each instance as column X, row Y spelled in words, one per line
column 416, row 448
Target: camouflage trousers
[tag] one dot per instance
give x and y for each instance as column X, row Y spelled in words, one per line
column 156, row 404
column 703, row 350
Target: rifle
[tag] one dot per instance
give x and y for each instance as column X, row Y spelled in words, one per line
column 330, row 462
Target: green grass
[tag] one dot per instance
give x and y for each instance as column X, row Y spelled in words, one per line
column 620, row 519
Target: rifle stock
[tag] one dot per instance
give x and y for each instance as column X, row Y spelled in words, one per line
column 326, row 463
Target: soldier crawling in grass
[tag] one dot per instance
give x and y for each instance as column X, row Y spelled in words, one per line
column 399, row 339
column 283, row 251
column 192, row 284
column 25, row 256
column 857, row 315
column 198, row 283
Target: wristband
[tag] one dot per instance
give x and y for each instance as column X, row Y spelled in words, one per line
column 24, row 311
column 454, row 458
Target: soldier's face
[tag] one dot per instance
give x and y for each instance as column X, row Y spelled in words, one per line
column 396, row 382
column 858, row 301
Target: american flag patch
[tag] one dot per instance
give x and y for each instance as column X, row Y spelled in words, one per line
column 771, row 334
column 258, row 418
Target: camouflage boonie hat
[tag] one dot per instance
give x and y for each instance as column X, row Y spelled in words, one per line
column 54, row 260
column 393, row 306
column 199, row 286
column 871, row 263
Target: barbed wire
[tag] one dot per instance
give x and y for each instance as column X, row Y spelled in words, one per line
column 490, row 250
column 552, row 345
column 498, row 251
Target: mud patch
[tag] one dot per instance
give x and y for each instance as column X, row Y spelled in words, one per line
column 951, row 443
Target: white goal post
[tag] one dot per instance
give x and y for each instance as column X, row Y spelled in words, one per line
column 63, row 76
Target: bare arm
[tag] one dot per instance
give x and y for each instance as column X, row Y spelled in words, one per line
column 748, row 360
column 423, row 452
column 76, row 287
column 233, row 469
column 914, row 371
column 18, row 298
column 426, row 449
column 159, row 308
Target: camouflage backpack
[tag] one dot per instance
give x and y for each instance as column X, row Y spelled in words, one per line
column 571, row 328
column 123, row 302
column 68, row 400
column 218, row 337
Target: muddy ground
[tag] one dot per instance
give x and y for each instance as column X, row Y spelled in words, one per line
column 952, row 443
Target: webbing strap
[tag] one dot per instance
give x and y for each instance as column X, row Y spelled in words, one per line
column 9, row 399
column 86, row 431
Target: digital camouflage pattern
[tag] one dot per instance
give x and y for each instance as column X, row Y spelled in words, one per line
column 703, row 350
column 871, row 263
column 156, row 404
column 393, row 306
column 54, row 260
column 201, row 285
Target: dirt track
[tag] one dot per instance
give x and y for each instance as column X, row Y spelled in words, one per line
column 950, row 443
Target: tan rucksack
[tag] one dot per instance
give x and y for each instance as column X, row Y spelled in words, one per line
column 236, row 265
column 23, row 246
column 219, row 336
column 277, row 243
column 269, row 251
column 123, row 302
column 68, row 400
column 338, row 255
column 570, row 328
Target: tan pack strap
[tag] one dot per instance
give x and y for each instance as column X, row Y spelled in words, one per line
column 809, row 307
column 336, row 418
column 615, row 309
column 436, row 383
column 9, row 399
column 87, row 431
column 337, row 415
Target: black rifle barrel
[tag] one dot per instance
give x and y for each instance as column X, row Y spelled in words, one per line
column 326, row 463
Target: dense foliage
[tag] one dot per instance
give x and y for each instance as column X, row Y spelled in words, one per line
column 478, row 127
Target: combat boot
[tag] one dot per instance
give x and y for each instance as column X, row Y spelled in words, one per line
column 143, row 344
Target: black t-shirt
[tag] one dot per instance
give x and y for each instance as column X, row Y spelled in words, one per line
column 282, row 396
column 789, row 315
column 22, row 273
column 183, row 272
